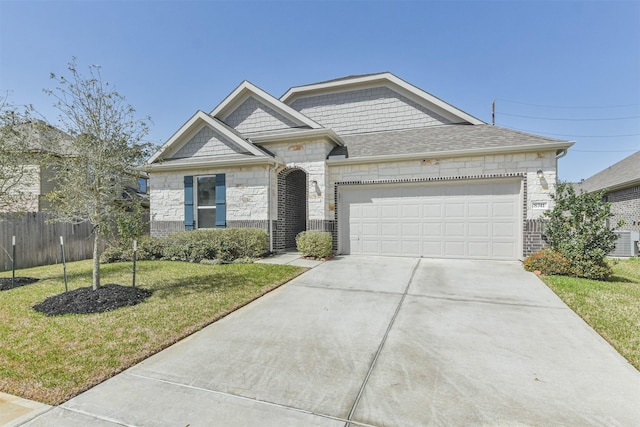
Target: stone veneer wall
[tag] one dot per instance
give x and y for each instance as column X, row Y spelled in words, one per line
column 525, row 165
column 246, row 192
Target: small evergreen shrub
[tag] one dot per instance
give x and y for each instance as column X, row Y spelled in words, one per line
column 316, row 244
column 208, row 245
column 584, row 266
column 548, row 262
column 578, row 227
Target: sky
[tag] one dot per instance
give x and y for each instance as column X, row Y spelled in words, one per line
column 564, row 69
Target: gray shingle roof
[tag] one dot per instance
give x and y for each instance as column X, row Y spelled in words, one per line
column 626, row 171
column 440, row 139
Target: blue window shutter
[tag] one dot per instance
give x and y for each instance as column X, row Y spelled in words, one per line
column 221, row 201
column 189, row 223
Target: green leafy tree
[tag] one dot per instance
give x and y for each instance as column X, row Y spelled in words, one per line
column 94, row 184
column 578, row 227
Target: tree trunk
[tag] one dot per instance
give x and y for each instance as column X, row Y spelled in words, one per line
column 96, row 259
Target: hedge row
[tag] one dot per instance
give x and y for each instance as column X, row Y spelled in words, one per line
column 205, row 245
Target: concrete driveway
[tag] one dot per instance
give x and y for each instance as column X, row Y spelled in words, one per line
column 382, row 342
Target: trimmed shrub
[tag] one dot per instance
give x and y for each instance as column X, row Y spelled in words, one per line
column 548, row 262
column 221, row 245
column 316, row 244
column 584, row 266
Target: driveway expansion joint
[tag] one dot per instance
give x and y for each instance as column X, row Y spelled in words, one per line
column 250, row 399
column 381, row 346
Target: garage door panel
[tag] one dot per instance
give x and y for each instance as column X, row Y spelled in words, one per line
column 479, row 219
column 432, row 209
column 454, row 249
column 370, row 230
column 479, row 229
column 432, row 248
column 479, row 210
column 454, row 210
column 390, row 211
column 410, row 230
column 503, row 249
column 504, row 230
column 504, row 209
column 411, row 248
column 432, row 230
column 411, row 211
column 369, row 211
column 389, row 229
column 479, row 249
column 453, row 229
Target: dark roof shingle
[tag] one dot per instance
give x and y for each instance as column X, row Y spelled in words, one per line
column 625, row 171
column 444, row 138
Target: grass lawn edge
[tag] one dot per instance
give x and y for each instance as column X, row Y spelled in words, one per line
column 60, row 398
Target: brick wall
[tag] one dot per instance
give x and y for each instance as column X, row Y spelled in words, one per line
column 367, row 110
column 625, row 205
column 533, row 236
column 292, row 208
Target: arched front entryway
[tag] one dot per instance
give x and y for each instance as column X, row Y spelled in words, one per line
column 292, row 207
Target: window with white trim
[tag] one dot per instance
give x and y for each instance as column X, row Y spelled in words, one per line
column 205, row 201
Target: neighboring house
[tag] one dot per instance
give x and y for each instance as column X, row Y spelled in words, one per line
column 384, row 166
column 620, row 184
column 36, row 179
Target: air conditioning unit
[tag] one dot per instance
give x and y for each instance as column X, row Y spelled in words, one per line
column 627, row 245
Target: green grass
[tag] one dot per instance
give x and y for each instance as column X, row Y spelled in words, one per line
column 51, row 359
column 611, row 308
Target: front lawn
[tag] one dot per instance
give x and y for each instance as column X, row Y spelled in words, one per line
column 51, row 359
column 611, row 308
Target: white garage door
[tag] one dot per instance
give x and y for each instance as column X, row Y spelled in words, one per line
column 471, row 219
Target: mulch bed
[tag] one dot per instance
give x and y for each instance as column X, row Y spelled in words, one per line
column 87, row 301
column 6, row 283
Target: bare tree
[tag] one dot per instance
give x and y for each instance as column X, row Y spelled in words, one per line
column 93, row 184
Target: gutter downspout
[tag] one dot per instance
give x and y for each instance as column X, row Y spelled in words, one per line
column 563, row 153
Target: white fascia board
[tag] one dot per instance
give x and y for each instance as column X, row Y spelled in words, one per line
column 203, row 163
column 298, row 136
column 450, row 154
column 247, row 89
column 176, row 136
column 199, row 118
column 392, row 82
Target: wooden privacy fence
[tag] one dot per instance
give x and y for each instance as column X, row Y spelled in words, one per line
column 38, row 243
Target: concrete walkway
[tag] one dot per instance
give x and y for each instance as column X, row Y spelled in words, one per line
column 379, row 342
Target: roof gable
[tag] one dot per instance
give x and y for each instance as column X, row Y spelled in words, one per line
column 249, row 109
column 420, row 99
column 190, row 140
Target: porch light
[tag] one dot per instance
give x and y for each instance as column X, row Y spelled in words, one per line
column 315, row 187
column 540, row 174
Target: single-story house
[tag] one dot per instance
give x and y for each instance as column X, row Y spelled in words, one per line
column 620, row 185
column 386, row 167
